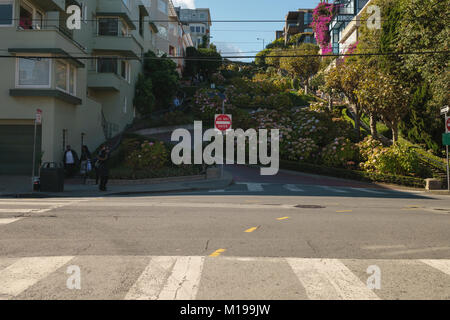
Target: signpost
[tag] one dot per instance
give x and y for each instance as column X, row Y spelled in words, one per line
column 37, row 120
column 222, row 122
column 446, row 140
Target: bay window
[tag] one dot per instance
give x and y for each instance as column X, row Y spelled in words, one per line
column 125, row 70
column 107, row 65
column 33, row 72
column 6, row 13
column 30, row 17
column 65, row 76
column 108, row 26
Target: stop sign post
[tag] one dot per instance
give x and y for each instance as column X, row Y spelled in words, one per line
column 445, row 140
column 223, row 122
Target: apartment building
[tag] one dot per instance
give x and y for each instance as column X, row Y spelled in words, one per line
column 82, row 80
column 298, row 22
column 344, row 25
column 197, row 23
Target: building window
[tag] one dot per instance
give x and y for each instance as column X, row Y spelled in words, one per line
column 162, row 31
column 30, row 17
column 202, row 16
column 6, row 12
column 192, row 29
column 197, row 29
column 162, row 6
column 33, row 72
column 107, row 65
column 65, row 76
column 108, row 27
column 125, row 70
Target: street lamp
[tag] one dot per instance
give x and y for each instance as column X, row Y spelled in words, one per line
column 264, row 42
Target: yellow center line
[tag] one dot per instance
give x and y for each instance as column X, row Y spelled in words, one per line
column 344, row 211
column 217, row 252
column 251, row 229
column 283, row 218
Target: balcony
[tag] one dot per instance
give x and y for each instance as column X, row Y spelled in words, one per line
column 50, row 5
column 104, row 81
column 115, row 8
column 126, row 46
column 43, row 37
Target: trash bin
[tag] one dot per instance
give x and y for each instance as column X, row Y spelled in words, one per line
column 52, row 177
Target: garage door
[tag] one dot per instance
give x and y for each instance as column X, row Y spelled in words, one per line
column 16, row 149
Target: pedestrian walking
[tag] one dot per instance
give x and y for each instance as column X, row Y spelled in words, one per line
column 71, row 161
column 85, row 160
column 102, row 167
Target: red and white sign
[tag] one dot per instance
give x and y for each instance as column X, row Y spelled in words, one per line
column 223, row 122
column 447, row 124
column 38, row 116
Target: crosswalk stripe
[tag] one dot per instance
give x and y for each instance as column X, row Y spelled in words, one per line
column 17, row 210
column 329, row 279
column 184, row 280
column 253, row 187
column 293, row 188
column 152, row 279
column 9, row 220
column 333, row 189
column 25, row 272
column 441, row 265
column 367, row 190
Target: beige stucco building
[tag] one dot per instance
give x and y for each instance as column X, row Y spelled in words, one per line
column 83, row 80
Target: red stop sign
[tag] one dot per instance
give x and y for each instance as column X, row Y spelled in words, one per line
column 223, row 122
column 447, row 124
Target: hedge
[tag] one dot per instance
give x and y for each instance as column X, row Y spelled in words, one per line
column 352, row 174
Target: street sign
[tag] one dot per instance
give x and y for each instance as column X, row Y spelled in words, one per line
column 223, row 122
column 38, row 118
column 445, row 110
column 446, row 139
column 447, row 124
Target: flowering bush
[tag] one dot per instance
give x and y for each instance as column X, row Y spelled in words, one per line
column 218, row 79
column 303, row 149
column 150, row 156
column 398, row 159
column 340, row 153
column 322, row 16
column 207, row 103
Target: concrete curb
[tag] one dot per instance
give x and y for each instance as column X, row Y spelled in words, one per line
column 175, row 187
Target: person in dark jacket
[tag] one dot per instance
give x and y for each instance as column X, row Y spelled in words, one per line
column 85, row 160
column 102, row 167
column 71, row 161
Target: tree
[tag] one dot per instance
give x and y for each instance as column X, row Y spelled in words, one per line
column 164, row 76
column 382, row 94
column 298, row 64
column 346, row 78
column 209, row 61
column 144, row 99
column 191, row 66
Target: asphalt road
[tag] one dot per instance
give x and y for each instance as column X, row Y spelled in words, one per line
column 292, row 236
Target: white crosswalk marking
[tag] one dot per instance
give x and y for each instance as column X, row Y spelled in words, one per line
column 333, row 189
column 23, row 207
column 253, row 187
column 26, row 272
column 292, row 187
column 181, row 284
column 367, row 190
column 441, row 265
column 192, row 277
column 329, row 279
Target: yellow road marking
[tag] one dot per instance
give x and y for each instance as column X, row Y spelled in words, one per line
column 283, row 218
column 217, row 252
column 344, row 211
column 251, row 229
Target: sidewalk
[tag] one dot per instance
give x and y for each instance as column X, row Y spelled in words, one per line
column 83, row 190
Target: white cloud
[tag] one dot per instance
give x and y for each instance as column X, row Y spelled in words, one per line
column 228, row 49
column 187, row 4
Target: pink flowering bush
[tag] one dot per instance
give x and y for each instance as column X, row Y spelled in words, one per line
column 207, row 103
column 322, row 16
column 150, row 155
column 340, row 153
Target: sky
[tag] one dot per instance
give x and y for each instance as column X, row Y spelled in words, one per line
column 241, row 38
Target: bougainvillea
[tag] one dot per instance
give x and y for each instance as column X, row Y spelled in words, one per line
column 322, row 16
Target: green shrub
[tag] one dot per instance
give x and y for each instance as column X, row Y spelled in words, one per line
column 150, row 156
column 341, row 153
